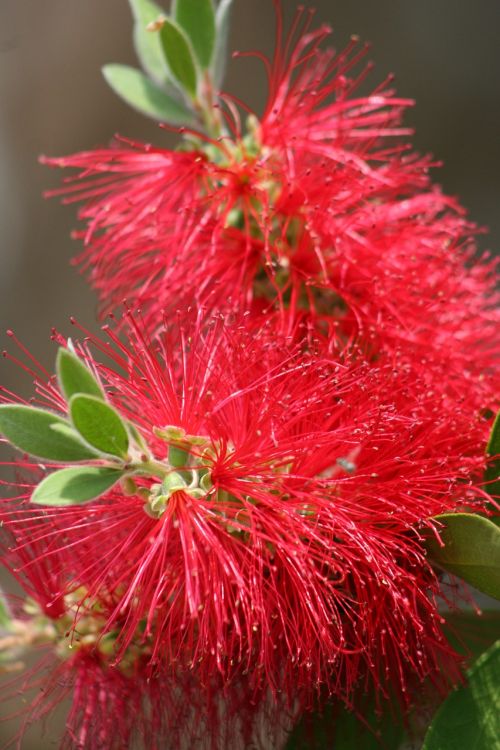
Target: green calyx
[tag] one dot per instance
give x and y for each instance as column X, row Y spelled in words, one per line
column 160, row 494
column 188, row 472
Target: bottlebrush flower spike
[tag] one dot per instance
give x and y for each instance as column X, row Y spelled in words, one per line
column 274, row 531
column 319, row 209
column 66, row 667
column 112, row 706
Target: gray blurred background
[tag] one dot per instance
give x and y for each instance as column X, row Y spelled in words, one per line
column 53, row 100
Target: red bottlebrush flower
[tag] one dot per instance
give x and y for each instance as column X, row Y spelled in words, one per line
column 109, row 706
column 283, row 545
column 320, row 209
column 115, row 708
column 106, row 706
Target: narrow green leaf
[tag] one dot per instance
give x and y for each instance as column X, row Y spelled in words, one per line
column 492, row 474
column 99, row 424
column 471, row 550
column 469, row 719
column 147, row 44
column 219, row 58
column 136, row 436
column 197, row 18
column 74, row 377
column 493, row 447
column 471, row 634
column 5, row 616
column 179, row 56
column 135, row 88
column 42, row 434
column 492, row 477
column 76, row 485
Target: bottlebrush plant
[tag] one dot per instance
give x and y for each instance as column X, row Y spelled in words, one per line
column 246, row 515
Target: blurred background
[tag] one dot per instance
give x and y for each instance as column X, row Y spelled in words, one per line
column 54, row 101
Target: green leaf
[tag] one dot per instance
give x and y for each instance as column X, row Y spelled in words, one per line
column 179, row 56
column 339, row 728
column 492, row 474
column 76, row 485
column 178, row 456
column 492, row 477
column 136, row 436
column 5, row 616
column 471, row 550
column 469, row 719
column 74, row 377
column 42, row 434
column 99, row 424
column 147, row 43
column 470, row 633
column 135, row 88
column 197, row 18
column 145, row 11
column 219, row 59
column 493, row 447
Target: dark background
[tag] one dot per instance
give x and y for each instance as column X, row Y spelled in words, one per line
column 53, row 100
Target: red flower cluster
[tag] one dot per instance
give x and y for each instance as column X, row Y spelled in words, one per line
column 293, row 558
column 321, row 210
column 290, row 444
